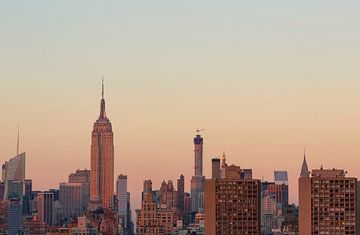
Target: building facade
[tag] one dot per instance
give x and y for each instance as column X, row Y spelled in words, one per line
column 102, row 160
column 153, row 219
column 327, row 202
column 180, row 193
column 232, row 204
column 82, row 177
column 15, row 219
column 168, row 195
column 123, row 204
column 13, row 171
column 71, row 197
column 197, row 181
column 44, row 203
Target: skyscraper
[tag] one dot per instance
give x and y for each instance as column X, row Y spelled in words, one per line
column 102, row 159
column 197, row 181
column 215, row 168
column 147, row 220
column 180, row 193
column 27, row 197
column 82, row 177
column 167, row 195
column 15, row 217
column 13, row 173
column 122, row 199
column 14, row 170
column 281, row 177
column 327, row 202
column 45, row 202
column 281, row 187
column 71, row 197
column 198, row 150
column 152, row 218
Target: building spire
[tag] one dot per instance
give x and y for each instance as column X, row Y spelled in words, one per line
column 304, row 167
column 18, row 140
column 102, row 103
column 223, row 158
column 102, row 86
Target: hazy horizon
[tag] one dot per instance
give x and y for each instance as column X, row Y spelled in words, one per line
column 265, row 79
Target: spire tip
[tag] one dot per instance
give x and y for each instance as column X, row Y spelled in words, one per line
column 102, row 87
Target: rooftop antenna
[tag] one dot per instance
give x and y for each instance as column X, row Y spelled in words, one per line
column 17, row 145
column 199, row 130
column 102, row 87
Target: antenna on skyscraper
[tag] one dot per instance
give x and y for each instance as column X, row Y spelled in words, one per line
column 199, row 130
column 17, row 145
column 102, row 87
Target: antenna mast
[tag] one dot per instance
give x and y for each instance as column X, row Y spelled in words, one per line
column 199, row 130
column 102, row 88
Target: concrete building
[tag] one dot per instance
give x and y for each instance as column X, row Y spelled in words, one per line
column 151, row 218
column 71, row 200
column 15, row 219
column 82, row 227
column 290, row 224
column 123, row 205
column 105, row 221
column 274, row 198
column 14, row 189
column 168, row 194
column 102, row 160
column 27, row 197
column 281, row 187
column 180, row 194
column 232, row 203
column 32, row 225
column 281, row 177
column 45, row 207
column 327, row 202
column 82, row 177
column 197, row 181
column 13, row 171
column 215, row 168
column 146, row 221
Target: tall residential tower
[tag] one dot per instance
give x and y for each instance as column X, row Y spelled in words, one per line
column 102, row 159
column 197, row 181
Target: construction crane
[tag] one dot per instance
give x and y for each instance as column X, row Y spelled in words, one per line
column 199, row 130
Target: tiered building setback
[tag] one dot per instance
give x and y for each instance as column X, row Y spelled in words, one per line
column 102, row 160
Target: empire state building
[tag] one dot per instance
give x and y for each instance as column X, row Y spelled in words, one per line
column 102, row 159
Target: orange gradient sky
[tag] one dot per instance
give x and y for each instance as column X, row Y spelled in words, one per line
column 264, row 80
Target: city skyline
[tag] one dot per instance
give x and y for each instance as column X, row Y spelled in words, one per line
column 188, row 183
column 264, row 83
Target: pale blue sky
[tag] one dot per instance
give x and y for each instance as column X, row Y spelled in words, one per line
column 264, row 78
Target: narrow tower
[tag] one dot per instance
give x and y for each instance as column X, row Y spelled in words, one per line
column 304, row 199
column 197, row 181
column 198, row 150
column 102, row 159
